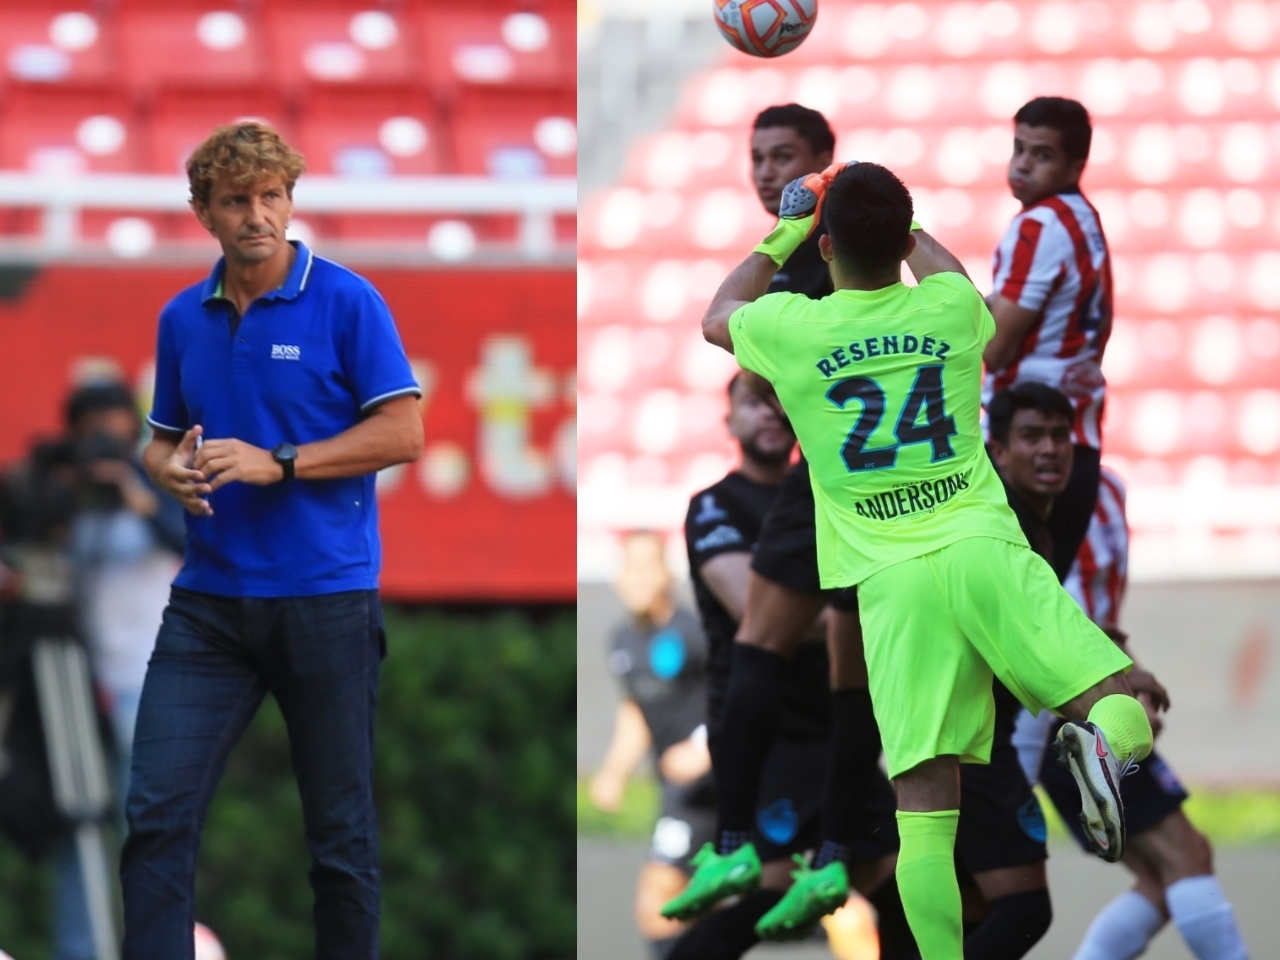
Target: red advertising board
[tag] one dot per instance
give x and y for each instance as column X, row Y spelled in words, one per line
column 488, row 513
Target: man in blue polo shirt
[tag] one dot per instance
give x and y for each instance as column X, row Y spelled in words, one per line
column 281, row 387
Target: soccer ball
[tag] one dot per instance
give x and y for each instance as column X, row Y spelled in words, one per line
column 208, row 946
column 765, row 28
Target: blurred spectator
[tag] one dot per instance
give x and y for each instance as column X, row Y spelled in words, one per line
column 125, row 546
column 659, row 656
column 37, row 506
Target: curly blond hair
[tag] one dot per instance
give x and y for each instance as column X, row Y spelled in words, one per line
column 242, row 154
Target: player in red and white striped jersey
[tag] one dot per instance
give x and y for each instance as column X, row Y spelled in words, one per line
column 1172, row 862
column 1051, row 296
column 1097, row 580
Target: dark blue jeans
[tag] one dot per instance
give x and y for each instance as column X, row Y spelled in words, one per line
column 215, row 659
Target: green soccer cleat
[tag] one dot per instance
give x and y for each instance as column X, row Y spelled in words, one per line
column 813, row 895
column 715, row 879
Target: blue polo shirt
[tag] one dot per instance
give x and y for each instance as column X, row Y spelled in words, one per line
column 305, row 362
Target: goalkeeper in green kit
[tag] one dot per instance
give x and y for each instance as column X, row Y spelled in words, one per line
column 881, row 382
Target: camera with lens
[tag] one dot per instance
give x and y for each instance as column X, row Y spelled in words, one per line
column 97, row 494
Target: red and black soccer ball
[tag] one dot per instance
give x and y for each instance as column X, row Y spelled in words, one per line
column 765, row 28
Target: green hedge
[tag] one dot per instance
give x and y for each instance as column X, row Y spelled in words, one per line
column 475, row 755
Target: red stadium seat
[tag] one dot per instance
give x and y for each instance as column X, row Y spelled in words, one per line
column 371, row 131
column 20, row 222
column 408, row 228
column 185, row 228
column 566, row 227
column 191, row 44
column 365, row 227
column 495, row 45
column 182, row 118
column 59, row 42
column 508, row 133
column 939, row 31
column 68, row 129
column 337, row 41
column 133, row 232
column 126, row 231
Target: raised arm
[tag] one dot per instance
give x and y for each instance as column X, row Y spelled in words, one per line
column 797, row 216
column 928, row 257
column 748, row 281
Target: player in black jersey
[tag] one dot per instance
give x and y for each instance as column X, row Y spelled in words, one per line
column 783, row 600
column 1030, row 429
column 659, row 657
column 721, row 530
column 787, row 142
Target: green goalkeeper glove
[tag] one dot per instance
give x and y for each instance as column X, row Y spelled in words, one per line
column 798, row 213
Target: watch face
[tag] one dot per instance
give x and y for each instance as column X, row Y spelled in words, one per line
column 284, row 455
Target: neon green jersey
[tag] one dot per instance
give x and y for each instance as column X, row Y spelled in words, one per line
column 883, row 390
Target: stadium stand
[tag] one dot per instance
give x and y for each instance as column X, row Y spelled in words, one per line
column 1184, row 172
column 185, row 43
column 370, row 90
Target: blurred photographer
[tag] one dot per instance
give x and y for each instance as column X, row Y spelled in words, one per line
column 37, row 599
column 88, row 549
column 125, row 546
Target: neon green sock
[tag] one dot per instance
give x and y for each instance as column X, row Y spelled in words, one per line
column 927, row 882
column 1123, row 721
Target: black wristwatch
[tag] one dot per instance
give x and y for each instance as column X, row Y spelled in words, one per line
column 284, row 455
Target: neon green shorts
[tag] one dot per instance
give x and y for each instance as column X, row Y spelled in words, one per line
column 937, row 627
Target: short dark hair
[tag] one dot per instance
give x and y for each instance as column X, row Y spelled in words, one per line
column 809, row 125
column 1030, row 395
column 96, row 398
column 868, row 212
column 1068, row 117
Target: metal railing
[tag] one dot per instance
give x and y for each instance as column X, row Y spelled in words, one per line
column 536, row 203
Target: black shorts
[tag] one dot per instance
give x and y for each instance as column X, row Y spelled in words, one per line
column 787, row 549
column 1001, row 823
column 1149, row 795
column 789, row 804
column 687, row 821
column 844, row 599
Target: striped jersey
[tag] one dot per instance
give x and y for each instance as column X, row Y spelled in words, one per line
column 1053, row 259
column 1098, row 577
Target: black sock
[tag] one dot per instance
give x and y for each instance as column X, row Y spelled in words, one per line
column 855, row 753
column 661, row 949
column 726, row 934
column 1014, row 925
column 896, row 939
column 747, row 728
